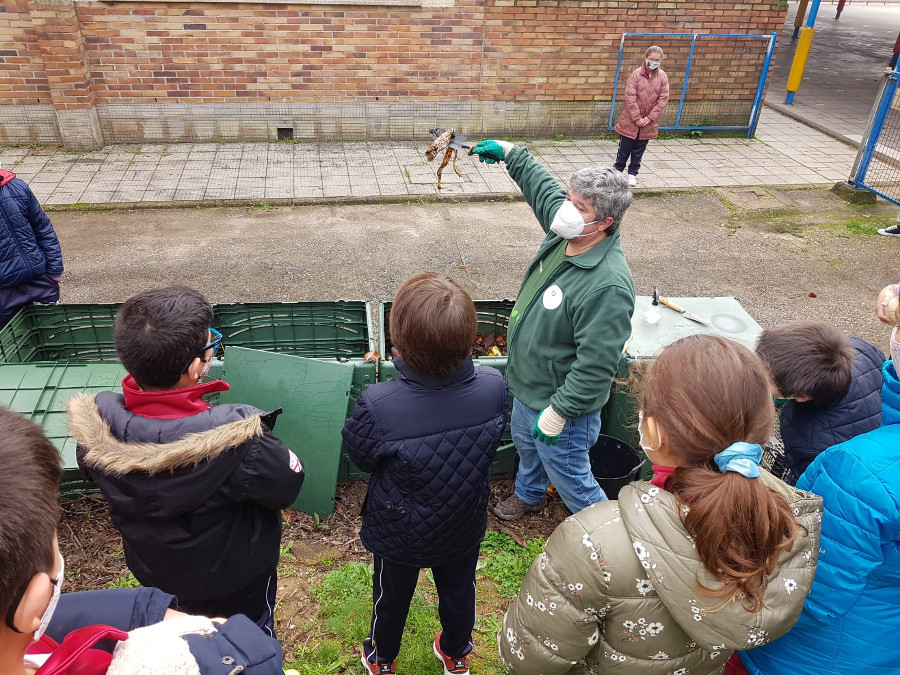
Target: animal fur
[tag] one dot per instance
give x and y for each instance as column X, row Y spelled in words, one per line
column 113, row 456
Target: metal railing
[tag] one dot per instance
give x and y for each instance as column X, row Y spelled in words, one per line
column 721, row 78
column 877, row 164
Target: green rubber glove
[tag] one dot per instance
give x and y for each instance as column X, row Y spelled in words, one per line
column 491, row 152
column 548, row 426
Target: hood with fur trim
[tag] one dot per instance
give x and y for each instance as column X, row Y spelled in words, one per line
column 108, row 453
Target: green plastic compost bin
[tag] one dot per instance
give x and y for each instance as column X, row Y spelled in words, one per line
column 647, row 340
column 493, row 318
column 40, row 392
column 44, row 335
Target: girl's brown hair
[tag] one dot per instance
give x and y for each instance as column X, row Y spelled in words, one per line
column 706, row 393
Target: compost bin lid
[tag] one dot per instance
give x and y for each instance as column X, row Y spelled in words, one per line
column 314, row 395
column 648, row 339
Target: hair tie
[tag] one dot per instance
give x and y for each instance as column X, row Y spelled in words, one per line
column 740, row 457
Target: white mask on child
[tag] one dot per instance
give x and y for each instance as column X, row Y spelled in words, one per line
column 54, row 600
column 568, row 222
column 895, row 347
column 645, row 446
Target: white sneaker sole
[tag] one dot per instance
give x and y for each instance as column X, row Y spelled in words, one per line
column 441, row 659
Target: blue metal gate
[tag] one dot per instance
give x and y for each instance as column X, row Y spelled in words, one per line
column 719, row 79
column 877, row 165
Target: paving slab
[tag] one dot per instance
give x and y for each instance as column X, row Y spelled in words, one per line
column 785, row 152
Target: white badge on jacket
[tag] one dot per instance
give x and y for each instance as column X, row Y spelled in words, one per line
column 553, row 297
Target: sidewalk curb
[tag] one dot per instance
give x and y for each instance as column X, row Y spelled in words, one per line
column 797, row 117
column 422, row 200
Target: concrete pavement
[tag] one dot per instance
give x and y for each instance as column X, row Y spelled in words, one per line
column 784, row 153
column 844, row 70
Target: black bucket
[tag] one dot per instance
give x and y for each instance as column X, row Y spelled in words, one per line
column 614, row 464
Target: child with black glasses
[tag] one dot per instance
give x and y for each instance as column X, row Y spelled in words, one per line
column 195, row 490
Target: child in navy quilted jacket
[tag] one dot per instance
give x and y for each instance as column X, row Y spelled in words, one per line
column 833, row 382
column 428, row 438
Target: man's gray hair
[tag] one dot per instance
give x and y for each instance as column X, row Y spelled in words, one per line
column 607, row 189
column 654, row 48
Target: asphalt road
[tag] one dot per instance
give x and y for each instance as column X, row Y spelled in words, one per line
column 798, row 259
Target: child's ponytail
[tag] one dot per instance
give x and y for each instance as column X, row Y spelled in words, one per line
column 711, row 396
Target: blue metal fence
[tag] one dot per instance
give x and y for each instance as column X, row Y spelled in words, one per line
column 877, row 165
column 721, row 56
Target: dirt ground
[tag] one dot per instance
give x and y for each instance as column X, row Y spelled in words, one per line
column 94, row 558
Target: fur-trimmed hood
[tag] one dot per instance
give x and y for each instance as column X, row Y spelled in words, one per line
column 108, row 453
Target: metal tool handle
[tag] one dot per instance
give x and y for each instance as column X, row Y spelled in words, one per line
column 671, row 305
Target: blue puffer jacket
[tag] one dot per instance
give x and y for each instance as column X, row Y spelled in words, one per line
column 851, row 619
column 429, row 445
column 28, row 244
column 807, row 429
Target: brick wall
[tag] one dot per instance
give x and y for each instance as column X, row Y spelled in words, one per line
column 210, row 71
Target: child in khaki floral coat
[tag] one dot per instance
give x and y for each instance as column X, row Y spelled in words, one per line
column 713, row 555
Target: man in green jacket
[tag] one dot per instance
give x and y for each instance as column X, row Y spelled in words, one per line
column 567, row 329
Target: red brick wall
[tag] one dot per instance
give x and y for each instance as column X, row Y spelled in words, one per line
column 22, row 77
column 498, row 50
column 568, row 50
column 253, row 53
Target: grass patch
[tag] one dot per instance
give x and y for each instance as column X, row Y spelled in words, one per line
column 507, row 562
column 128, row 581
column 864, row 226
column 344, row 599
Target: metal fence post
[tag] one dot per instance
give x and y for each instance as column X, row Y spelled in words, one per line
column 612, row 105
column 757, row 101
column 687, row 74
column 873, row 130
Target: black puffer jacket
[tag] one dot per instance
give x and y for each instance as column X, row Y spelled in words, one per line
column 196, row 499
column 429, row 445
column 807, row 429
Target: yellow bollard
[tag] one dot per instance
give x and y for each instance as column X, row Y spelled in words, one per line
column 801, row 14
column 800, row 56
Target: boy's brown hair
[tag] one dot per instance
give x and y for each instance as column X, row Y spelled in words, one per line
column 31, row 471
column 808, row 358
column 433, row 323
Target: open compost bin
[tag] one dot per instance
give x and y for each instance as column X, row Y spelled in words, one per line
column 49, row 353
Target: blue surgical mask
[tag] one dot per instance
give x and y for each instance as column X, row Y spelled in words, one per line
column 652, row 65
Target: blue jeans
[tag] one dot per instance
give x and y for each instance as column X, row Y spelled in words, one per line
column 566, row 464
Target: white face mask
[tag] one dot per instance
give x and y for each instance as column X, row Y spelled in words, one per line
column 568, row 223
column 54, row 600
column 895, row 348
column 645, row 446
column 206, row 366
column 652, row 65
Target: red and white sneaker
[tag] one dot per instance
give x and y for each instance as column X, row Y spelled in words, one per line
column 452, row 666
column 380, row 668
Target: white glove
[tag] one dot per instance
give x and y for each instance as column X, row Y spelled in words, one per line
column 549, row 426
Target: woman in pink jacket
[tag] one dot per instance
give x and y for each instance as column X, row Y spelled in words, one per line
column 646, row 94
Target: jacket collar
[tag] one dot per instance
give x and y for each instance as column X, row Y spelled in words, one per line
column 107, row 452
column 890, row 395
column 171, row 403
column 5, row 177
column 465, row 371
column 587, row 260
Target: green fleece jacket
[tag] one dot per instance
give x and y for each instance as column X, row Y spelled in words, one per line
column 566, row 353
